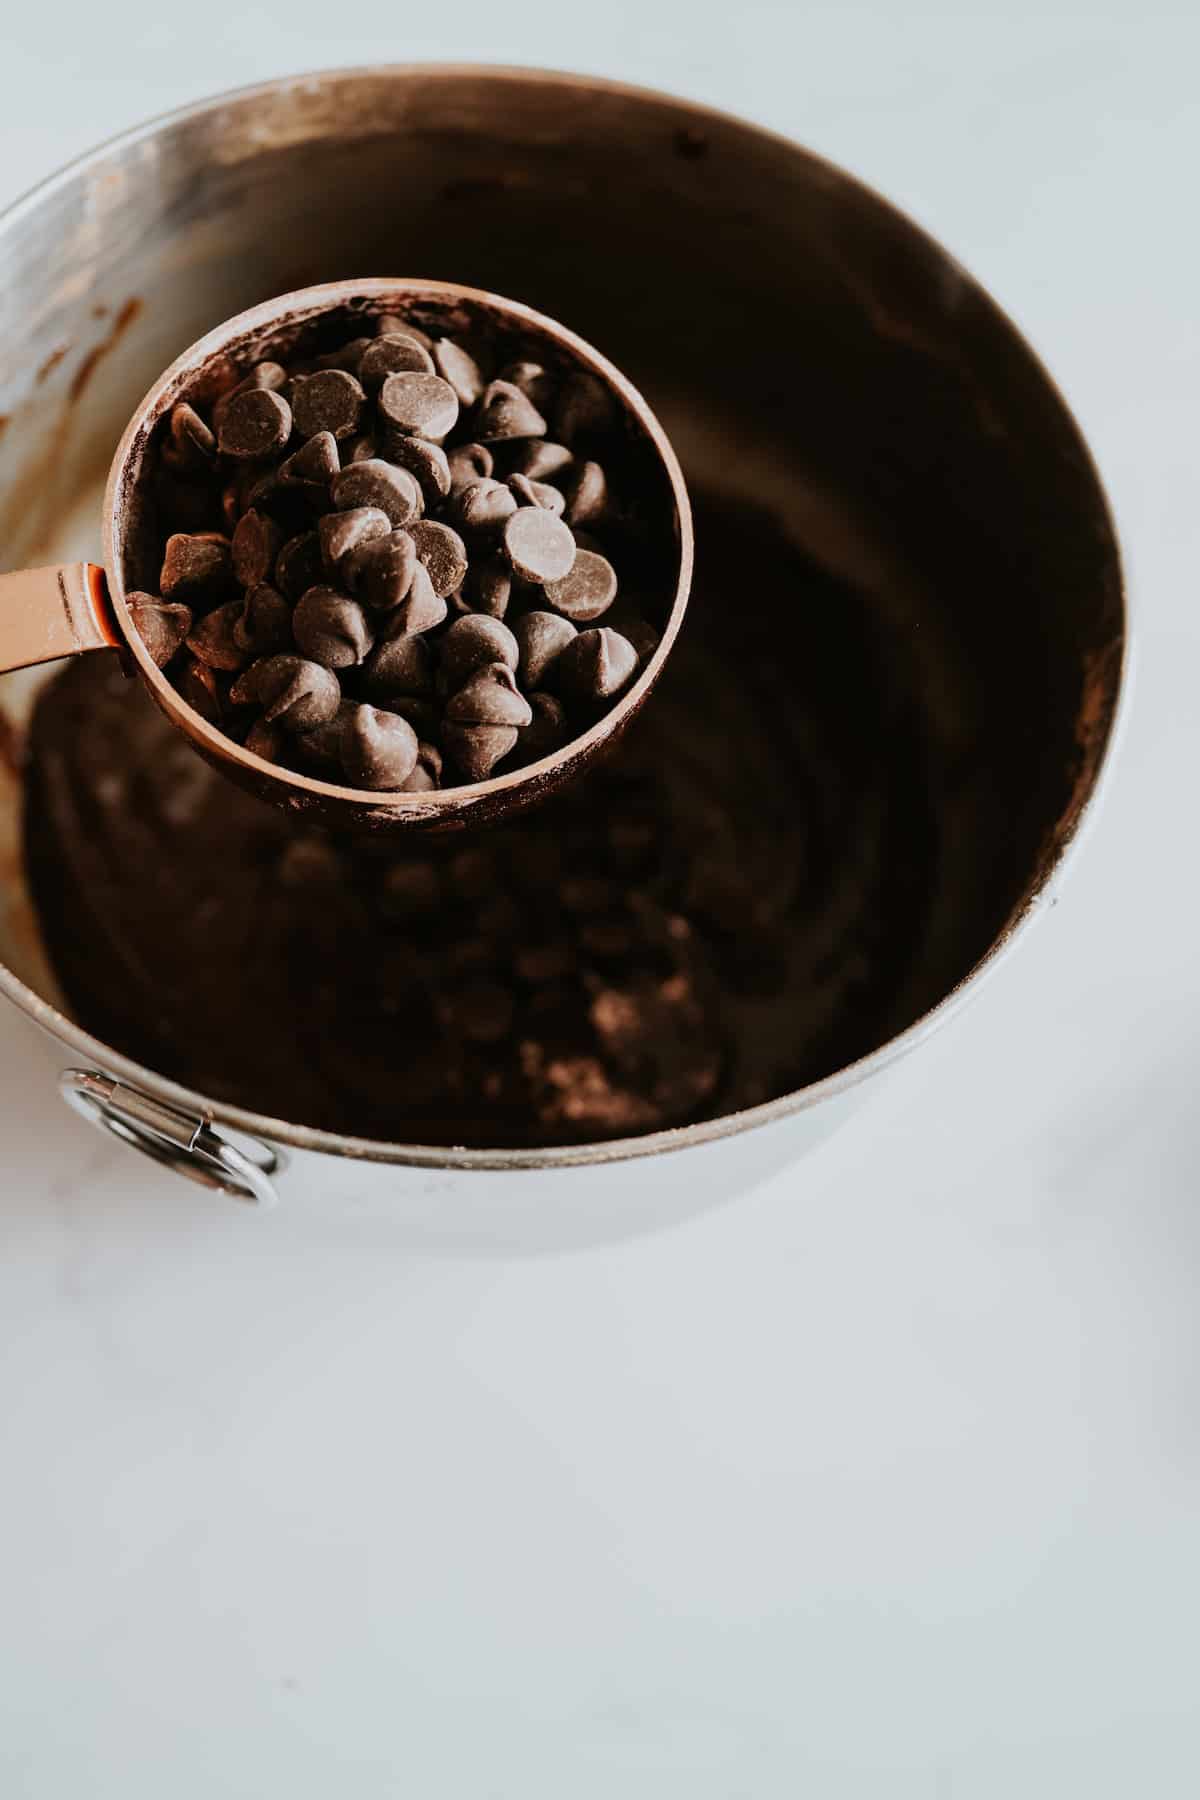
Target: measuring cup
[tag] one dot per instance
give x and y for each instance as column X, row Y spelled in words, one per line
column 72, row 608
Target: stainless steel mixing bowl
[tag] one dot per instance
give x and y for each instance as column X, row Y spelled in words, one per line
column 803, row 344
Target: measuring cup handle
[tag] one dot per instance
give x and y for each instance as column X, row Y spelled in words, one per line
column 59, row 611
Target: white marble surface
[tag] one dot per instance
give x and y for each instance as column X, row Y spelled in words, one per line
column 884, row 1481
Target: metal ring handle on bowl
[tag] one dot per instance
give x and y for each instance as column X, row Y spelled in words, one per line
column 188, row 1145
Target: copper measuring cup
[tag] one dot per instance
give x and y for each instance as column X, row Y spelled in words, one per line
column 70, row 608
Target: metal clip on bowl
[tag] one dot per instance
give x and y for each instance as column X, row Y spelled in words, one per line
column 186, row 1144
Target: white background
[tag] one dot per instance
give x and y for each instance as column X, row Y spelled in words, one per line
column 886, row 1479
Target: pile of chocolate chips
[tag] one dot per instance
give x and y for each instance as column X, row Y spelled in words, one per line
column 411, row 587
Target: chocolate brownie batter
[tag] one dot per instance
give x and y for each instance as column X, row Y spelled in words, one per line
column 724, row 911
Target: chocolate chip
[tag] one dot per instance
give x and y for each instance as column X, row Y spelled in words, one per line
column 532, row 379
column 357, row 449
column 202, row 691
column 632, row 839
column 270, row 493
column 421, row 609
column 541, row 461
column 482, row 1012
column 320, row 750
column 187, row 502
column 427, row 775
column 256, row 423
column 588, row 894
column 585, row 491
column 257, row 541
column 505, row 412
column 314, row 465
column 401, row 665
column 585, row 409
column 482, row 508
column 342, row 533
column 388, row 324
column 607, row 939
column 395, row 353
column 213, row 639
column 540, row 636
column 422, row 405
column 476, row 749
column 587, row 591
column 427, row 462
column 538, row 963
column 537, row 493
column 425, row 716
column 218, row 376
column 470, row 644
column 641, row 634
column 349, row 357
column 298, row 693
column 266, row 740
column 162, row 625
column 539, row 546
column 265, row 623
column 299, row 565
column 409, row 890
column 443, row 553
column 310, row 863
column 194, row 444
column 263, row 488
column 459, row 368
column 265, row 375
column 197, row 567
column 331, row 629
column 469, row 463
column 487, row 588
column 378, row 483
column 547, row 731
column 379, row 749
column 380, row 570
column 472, row 874
column 244, row 478
column 595, row 666
column 331, row 400
column 490, row 697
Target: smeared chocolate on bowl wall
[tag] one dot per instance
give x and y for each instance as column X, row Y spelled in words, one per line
column 732, row 906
